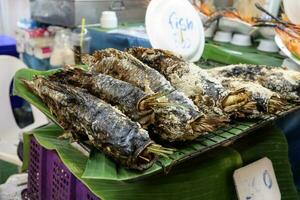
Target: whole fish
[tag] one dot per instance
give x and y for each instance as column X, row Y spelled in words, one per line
column 124, row 66
column 193, row 81
column 144, row 108
column 283, row 81
column 106, row 127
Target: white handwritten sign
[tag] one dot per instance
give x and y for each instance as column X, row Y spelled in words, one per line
column 180, row 26
column 176, row 26
column 257, row 181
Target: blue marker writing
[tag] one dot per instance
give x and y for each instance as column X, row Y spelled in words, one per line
column 267, row 179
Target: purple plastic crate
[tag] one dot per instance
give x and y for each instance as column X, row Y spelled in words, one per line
column 82, row 192
column 35, row 179
column 49, row 178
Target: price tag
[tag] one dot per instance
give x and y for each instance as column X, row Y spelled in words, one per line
column 257, row 181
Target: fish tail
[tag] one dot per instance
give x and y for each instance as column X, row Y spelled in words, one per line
column 154, row 100
column 209, row 123
column 276, row 104
column 28, row 84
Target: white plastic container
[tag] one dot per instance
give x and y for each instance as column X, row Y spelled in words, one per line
column 109, row 19
column 241, row 40
column 290, row 64
column 267, row 46
column 222, row 36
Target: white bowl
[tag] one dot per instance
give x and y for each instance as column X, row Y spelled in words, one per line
column 109, row 14
column 235, row 25
column 209, row 31
column 267, row 32
column 282, row 54
column 267, row 46
column 241, row 40
column 290, row 64
column 222, row 36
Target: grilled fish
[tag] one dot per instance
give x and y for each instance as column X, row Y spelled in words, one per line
column 133, row 101
column 123, row 66
column 105, row 127
column 192, row 80
column 284, row 82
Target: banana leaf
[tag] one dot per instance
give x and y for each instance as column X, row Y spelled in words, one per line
column 207, row 177
column 230, row 54
column 210, row 179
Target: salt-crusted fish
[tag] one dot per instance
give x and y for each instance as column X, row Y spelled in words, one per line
column 133, row 101
column 193, row 81
column 125, row 67
column 106, row 127
column 283, row 81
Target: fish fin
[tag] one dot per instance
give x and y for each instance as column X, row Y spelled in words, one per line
column 147, row 87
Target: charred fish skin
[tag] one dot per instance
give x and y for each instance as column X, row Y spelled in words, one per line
column 135, row 103
column 190, row 79
column 280, row 80
column 126, row 67
column 107, row 128
column 172, row 67
column 116, row 92
column 58, row 103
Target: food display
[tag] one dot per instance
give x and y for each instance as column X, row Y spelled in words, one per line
column 126, row 100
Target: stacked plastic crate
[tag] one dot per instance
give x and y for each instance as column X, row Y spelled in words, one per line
column 49, row 178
